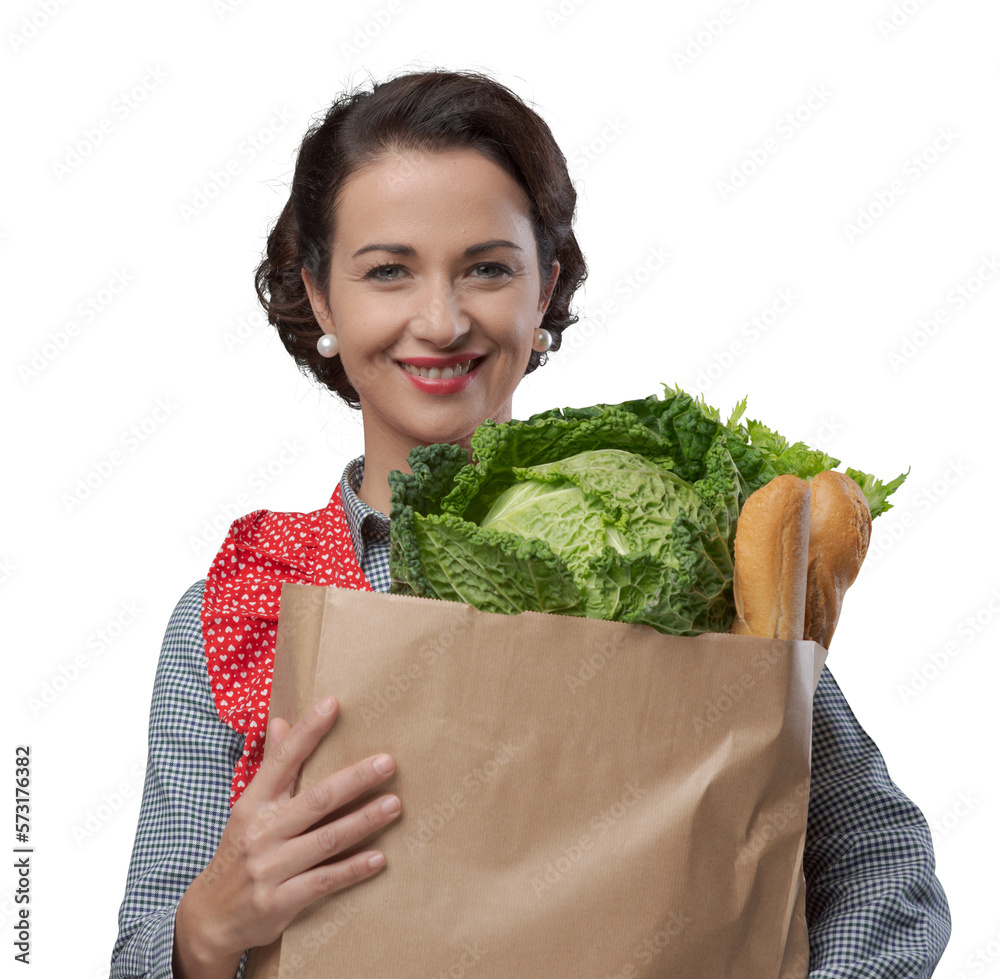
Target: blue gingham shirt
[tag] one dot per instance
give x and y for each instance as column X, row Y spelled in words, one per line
column 874, row 907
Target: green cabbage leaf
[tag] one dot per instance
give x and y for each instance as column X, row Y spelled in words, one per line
column 624, row 512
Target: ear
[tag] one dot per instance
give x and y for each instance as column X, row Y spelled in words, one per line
column 317, row 301
column 543, row 304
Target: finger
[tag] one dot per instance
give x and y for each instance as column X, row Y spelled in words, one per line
column 336, row 790
column 276, row 730
column 283, row 760
column 304, row 852
column 330, row 878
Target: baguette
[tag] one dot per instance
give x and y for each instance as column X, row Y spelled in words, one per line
column 772, row 550
column 840, row 525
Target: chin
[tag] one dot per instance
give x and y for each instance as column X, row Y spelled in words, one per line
column 459, row 431
column 452, row 436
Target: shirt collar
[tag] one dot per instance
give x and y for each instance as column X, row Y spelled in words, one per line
column 367, row 525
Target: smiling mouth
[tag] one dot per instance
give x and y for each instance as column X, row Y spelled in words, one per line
column 441, row 373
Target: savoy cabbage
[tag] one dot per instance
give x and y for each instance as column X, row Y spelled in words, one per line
column 625, row 512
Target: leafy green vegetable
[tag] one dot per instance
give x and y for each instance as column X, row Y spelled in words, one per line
column 625, row 512
column 599, row 510
column 875, row 490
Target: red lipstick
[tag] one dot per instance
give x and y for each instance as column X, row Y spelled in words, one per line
column 450, row 360
column 441, row 385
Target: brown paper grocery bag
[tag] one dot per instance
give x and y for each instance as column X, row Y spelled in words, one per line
column 580, row 798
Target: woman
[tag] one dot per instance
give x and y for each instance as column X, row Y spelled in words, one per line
column 423, row 265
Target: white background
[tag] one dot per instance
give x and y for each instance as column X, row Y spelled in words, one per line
column 225, row 424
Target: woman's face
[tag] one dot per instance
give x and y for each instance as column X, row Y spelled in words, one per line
column 434, row 297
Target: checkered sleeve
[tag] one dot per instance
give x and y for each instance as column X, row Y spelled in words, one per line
column 185, row 799
column 874, row 907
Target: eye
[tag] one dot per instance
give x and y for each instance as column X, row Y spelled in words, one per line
column 482, row 270
column 372, row 273
column 494, row 270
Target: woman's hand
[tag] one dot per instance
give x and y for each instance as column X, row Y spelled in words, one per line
column 265, row 868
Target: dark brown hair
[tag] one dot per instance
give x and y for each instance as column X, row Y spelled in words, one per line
column 424, row 111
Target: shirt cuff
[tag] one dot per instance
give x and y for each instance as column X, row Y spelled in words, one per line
column 154, row 947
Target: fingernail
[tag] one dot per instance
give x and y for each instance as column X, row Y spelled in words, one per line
column 390, row 804
column 376, row 860
column 325, row 706
column 382, row 764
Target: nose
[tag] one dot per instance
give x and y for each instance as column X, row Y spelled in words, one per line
column 438, row 317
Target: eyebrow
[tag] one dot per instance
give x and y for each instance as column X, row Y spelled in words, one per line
column 410, row 252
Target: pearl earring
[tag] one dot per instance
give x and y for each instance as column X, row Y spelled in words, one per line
column 543, row 340
column 328, row 345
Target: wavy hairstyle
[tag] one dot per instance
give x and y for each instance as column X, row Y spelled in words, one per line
column 423, row 111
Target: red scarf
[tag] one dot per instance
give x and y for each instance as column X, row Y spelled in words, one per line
column 239, row 613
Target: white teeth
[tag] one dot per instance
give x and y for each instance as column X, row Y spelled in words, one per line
column 439, row 373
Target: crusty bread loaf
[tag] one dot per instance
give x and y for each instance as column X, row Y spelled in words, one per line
column 772, row 549
column 840, row 525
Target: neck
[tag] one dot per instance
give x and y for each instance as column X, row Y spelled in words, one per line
column 380, row 460
column 374, row 488
column 382, row 456
column 386, row 450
